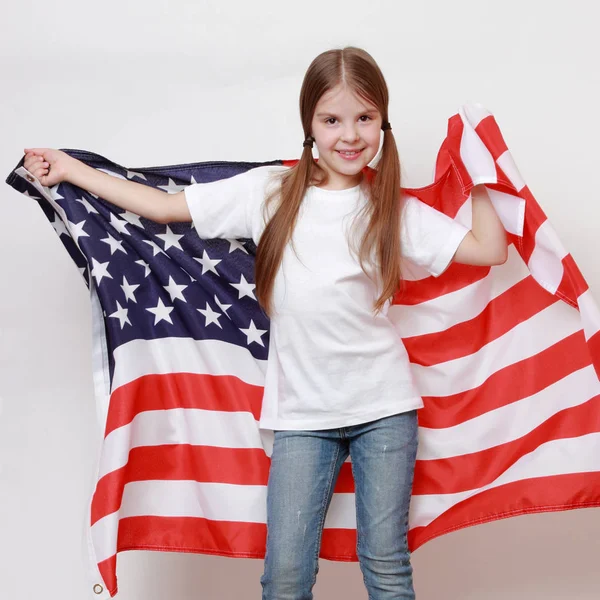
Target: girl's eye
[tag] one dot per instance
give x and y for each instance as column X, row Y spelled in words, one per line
column 365, row 117
column 330, row 119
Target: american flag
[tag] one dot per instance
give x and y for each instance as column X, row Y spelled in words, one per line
column 507, row 360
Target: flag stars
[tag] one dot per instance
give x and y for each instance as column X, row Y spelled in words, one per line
column 129, row 290
column 119, row 224
column 121, row 314
column 100, row 270
column 156, row 249
column 236, row 245
column 90, row 209
column 59, row 226
column 223, row 307
column 132, row 218
column 210, row 315
column 244, row 288
column 146, row 266
column 77, row 230
column 170, row 238
column 161, row 312
column 174, row 290
column 208, row 264
column 114, row 244
column 172, row 187
column 253, row 334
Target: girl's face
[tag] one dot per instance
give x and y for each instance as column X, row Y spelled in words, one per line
column 347, row 132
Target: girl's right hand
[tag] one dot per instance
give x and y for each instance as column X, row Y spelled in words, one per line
column 48, row 165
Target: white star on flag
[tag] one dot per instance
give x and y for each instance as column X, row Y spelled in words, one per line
column 132, row 218
column 77, row 230
column 132, row 174
column 100, row 270
column 254, row 334
column 244, row 288
column 207, row 263
column 172, row 187
column 146, row 266
column 161, row 312
column 236, row 245
column 87, row 205
column 119, row 224
column 170, row 238
column 128, row 290
column 121, row 314
column 156, row 249
column 114, row 244
column 59, row 226
column 175, row 290
column 223, row 307
column 211, row 316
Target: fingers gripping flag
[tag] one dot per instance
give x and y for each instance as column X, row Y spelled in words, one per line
column 507, row 360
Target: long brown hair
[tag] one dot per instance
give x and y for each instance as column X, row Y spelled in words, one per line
column 381, row 240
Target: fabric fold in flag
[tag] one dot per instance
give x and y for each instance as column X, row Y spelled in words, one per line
column 507, row 360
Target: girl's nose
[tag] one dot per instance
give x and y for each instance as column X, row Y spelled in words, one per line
column 349, row 134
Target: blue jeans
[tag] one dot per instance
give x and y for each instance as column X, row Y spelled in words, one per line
column 304, row 469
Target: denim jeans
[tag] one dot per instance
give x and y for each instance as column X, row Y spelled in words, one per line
column 304, row 469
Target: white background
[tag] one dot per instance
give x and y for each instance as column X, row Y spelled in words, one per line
column 166, row 82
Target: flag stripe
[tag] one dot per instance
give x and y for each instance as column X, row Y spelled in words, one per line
column 532, row 495
column 519, row 380
column 499, row 316
column 438, row 314
column 546, row 328
column 478, row 469
column 557, row 457
column 181, row 390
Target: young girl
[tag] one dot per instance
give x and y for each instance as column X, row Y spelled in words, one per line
column 330, row 238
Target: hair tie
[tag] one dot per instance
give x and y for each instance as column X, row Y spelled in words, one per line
column 308, row 141
column 386, row 125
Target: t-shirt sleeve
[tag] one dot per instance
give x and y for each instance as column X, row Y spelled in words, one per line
column 226, row 208
column 428, row 237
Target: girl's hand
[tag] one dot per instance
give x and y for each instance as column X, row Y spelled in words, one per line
column 48, row 165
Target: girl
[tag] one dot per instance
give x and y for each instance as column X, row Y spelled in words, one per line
column 330, row 237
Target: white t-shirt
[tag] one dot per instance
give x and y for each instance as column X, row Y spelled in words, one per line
column 331, row 362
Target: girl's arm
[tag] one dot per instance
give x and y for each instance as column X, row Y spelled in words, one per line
column 140, row 199
column 52, row 166
column 486, row 243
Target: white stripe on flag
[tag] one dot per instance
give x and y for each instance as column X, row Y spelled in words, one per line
column 193, row 426
column 541, row 331
column 545, row 262
column 558, row 457
column 590, row 314
column 508, row 165
column 213, row 501
column 517, row 419
column 475, row 156
column 462, row 305
column 185, row 355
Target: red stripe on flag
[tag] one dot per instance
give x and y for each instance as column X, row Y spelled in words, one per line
column 489, row 132
column 225, row 538
column 572, row 284
column 182, row 390
column 535, row 495
column 183, row 462
column 500, row 316
column 456, row 277
column 476, row 470
column 108, row 572
column 517, row 381
column 594, row 349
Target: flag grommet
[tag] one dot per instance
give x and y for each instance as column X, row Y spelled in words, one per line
column 98, row 589
column 30, row 178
